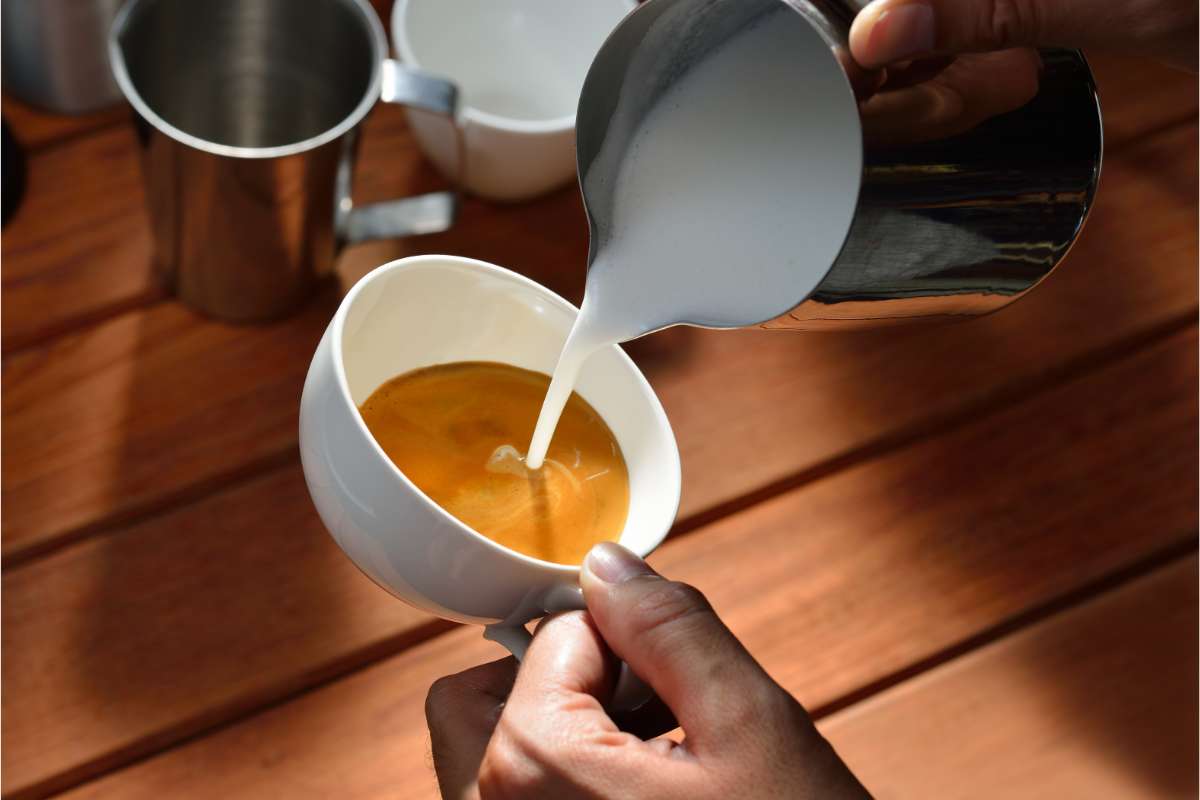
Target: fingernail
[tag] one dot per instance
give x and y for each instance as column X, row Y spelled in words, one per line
column 612, row 563
column 901, row 32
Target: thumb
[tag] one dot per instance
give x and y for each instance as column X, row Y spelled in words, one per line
column 887, row 31
column 670, row 636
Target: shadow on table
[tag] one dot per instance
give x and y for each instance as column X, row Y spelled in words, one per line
column 239, row 598
column 966, row 508
column 236, row 597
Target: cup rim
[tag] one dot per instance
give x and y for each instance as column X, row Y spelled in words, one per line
column 337, row 328
column 365, row 104
column 550, row 125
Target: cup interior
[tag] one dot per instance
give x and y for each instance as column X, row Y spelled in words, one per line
column 250, row 73
column 520, row 61
column 431, row 310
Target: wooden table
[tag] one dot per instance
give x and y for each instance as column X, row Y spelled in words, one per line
column 970, row 551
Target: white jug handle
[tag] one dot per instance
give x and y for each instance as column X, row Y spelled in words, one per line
column 406, row 216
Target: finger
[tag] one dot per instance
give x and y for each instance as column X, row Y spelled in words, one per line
column 554, row 738
column 894, row 30
column 462, row 711
column 914, row 72
column 647, row 721
column 564, row 681
column 974, row 88
column 864, row 82
column 671, row 637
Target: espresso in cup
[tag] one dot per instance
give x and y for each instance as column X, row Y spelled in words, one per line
column 458, row 431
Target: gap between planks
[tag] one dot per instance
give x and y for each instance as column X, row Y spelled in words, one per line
column 358, row 661
column 1181, row 550
column 884, row 445
column 1099, row 701
column 220, row 717
column 897, row 440
column 151, row 297
column 888, row 443
column 217, row 477
column 205, row 486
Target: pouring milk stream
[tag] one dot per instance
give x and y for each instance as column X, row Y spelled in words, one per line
column 720, row 152
column 732, row 179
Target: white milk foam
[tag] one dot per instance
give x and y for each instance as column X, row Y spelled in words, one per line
column 731, row 201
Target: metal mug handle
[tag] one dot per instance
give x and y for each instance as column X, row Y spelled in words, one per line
column 406, row 216
column 630, row 692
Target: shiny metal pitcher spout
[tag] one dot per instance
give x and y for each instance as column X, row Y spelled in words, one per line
column 944, row 225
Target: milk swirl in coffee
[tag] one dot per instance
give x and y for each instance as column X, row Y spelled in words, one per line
column 450, row 430
column 683, row 244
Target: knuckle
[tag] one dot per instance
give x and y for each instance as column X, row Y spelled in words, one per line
column 668, row 605
column 668, row 620
column 946, row 102
column 762, row 703
column 519, row 763
column 1010, row 22
column 1017, row 83
column 1165, row 21
column 562, row 623
column 506, row 770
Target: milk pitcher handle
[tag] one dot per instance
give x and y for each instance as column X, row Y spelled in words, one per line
column 630, row 692
column 406, row 216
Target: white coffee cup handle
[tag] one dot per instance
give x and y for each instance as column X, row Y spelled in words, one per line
column 407, row 216
column 630, row 693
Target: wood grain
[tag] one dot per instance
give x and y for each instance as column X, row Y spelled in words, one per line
column 137, row 411
column 122, row 644
column 1099, row 701
column 988, row 521
column 1138, row 96
column 36, row 129
column 79, row 248
column 122, row 418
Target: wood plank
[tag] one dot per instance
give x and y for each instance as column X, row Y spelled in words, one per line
column 987, row 521
column 1144, row 95
column 79, row 245
column 126, row 416
column 80, row 248
column 1099, row 701
column 141, row 409
column 1138, row 95
column 36, row 128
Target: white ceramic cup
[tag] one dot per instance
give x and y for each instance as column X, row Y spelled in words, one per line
column 519, row 66
column 426, row 310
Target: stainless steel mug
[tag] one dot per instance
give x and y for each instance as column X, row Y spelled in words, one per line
column 248, row 117
column 55, row 55
column 949, row 226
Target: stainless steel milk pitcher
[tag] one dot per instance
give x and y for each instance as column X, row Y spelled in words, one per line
column 55, row 56
column 248, row 114
column 948, row 227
